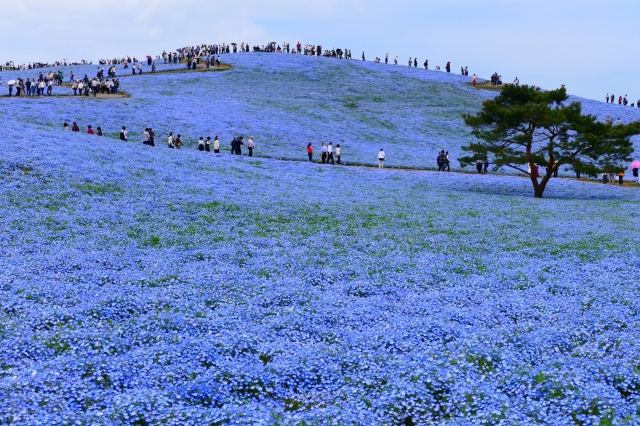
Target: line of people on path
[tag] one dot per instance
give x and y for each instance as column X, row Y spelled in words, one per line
column 30, row 87
column 622, row 100
column 327, row 152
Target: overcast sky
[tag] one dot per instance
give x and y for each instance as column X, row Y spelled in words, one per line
column 590, row 46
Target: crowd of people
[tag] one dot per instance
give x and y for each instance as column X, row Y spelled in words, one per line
column 31, row 88
column 11, row 66
column 622, row 100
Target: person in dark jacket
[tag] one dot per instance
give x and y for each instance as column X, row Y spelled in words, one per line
column 152, row 137
column 239, row 144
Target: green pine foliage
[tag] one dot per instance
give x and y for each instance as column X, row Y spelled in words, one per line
column 525, row 127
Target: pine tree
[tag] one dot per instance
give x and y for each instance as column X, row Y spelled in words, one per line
column 525, row 127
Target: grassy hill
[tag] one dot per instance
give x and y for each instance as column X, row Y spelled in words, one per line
column 153, row 286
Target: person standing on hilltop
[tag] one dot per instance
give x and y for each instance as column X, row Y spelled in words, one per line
column 607, row 98
column 426, row 64
column 381, row 158
column 474, row 80
column 410, row 61
column 415, row 62
column 363, row 56
column 448, row 67
column 386, row 58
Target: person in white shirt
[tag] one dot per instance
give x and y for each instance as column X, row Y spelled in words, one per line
column 381, row 159
column 251, row 145
column 323, row 152
column 123, row 134
column 170, row 140
column 145, row 137
column 330, row 153
column 216, row 145
column 338, row 153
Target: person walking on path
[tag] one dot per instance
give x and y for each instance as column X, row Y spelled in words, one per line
column 123, row 134
column 251, row 145
column 310, row 152
column 207, row 144
column 323, row 153
column 381, row 158
column 447, row 162
column 178, row 142
column 90, row 130
column 330, row 153
column 486, row 166
column 152, row 137
column 216, row 145
column 338, row 153
column 201, row 144
column 621, row 177
column 170, row 142
column 75, row 128
column 479, row 166
column 441, row 160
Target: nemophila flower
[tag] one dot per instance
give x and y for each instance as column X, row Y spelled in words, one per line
column 154, row 286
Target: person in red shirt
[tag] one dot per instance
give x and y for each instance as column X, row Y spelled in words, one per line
column 310, row 152
column 90, row 130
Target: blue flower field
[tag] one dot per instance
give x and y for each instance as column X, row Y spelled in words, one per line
column 145, row 286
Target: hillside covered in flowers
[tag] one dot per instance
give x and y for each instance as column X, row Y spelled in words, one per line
column 146, row 285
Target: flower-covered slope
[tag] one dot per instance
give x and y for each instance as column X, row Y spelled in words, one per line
column 288, row 101
column 154, row 286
